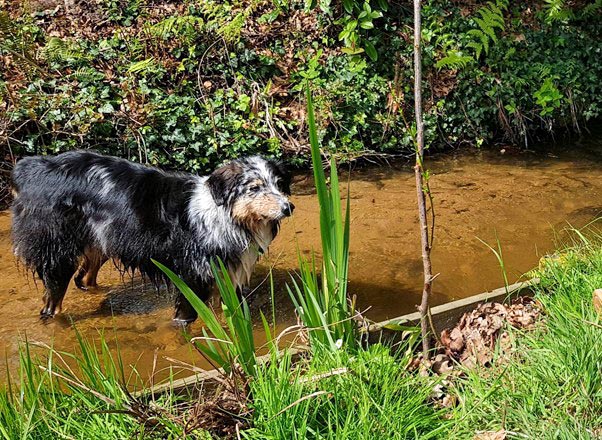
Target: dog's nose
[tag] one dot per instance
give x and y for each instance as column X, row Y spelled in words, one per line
column 287, row 209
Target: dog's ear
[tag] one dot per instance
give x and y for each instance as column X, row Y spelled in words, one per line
column 284, row 176
column 223, row 181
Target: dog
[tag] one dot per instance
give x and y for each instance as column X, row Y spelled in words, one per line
column 75, row 211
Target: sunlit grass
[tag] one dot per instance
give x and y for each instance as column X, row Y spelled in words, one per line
column 339, row 395
column 551, row 386
column 76, row 395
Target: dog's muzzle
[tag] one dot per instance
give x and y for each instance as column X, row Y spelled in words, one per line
column 287, row 209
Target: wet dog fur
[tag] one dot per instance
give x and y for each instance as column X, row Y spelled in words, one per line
column 75, row 211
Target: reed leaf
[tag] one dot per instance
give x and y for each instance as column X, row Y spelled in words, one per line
column 323, row 306
column 225, row 348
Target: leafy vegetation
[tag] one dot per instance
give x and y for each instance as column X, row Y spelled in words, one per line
column 76, row 395
column 544, row 384
column 153, row 82
column 224, row 349
column 548, row 386
column 365, row 395
column 321, row 300
column 189, row 84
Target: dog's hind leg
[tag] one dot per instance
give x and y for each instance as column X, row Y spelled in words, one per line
column 88, row 271
column 51, row 241
column 56, row 280
column 185, row 313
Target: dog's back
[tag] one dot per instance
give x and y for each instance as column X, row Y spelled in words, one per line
column 80, row 203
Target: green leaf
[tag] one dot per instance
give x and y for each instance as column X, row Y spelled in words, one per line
column 140, row 66
column 370, row 50
column 348, row 6
column 106, row 108
column 352, row 51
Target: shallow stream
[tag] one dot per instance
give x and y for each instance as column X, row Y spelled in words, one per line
column 523, row 199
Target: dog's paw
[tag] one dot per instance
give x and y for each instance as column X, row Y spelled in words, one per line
column 46, row 315
column 180, row 322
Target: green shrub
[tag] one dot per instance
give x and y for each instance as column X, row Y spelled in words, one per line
column 157, row 86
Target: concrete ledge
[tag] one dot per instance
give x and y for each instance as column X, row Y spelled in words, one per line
column 443, row 316
column 448, row 314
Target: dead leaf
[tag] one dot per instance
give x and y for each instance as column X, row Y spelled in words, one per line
column 598, row 301
column 490, row 435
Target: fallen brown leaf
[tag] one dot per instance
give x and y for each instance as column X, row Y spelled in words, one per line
column 490, row 435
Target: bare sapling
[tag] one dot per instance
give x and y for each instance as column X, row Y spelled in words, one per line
column 422, row 188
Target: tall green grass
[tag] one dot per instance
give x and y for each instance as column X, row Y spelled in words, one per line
column 550, row 384
column 225, row 348
column 321, row 300
column 339, row 395
column 76, row 395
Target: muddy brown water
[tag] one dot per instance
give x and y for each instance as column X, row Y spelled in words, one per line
column 522, row 199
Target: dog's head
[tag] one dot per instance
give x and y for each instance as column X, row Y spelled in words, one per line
column 254, row 189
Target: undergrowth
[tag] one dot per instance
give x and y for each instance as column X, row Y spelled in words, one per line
column 189, row 84
column 83, row 394
column 366, row 394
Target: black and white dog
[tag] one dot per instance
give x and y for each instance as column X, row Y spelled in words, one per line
column 79, row 209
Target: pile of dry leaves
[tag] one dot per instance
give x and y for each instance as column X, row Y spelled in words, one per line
column 473, row 340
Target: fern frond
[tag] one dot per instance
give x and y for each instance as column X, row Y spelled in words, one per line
column 6, row 24
column 17, row 42
column 491, row 18
column 485, row 28
column 591, row 9
column 502, row 4
column 87, row 74
column 483, row 41
column 182, row 25
column 63, row 51
column 454, row 61
column 493, row 15
column 478, row 47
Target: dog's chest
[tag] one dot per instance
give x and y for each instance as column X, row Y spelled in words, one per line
column 241, row 273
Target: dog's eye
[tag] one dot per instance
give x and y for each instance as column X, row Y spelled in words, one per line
column 255, row 188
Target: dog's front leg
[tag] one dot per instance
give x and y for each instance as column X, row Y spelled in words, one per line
column 184, row 312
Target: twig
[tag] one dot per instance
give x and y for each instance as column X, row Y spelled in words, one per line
column 318, row 377
column 592, row 323
column 420, row 189
column 298, row 401
column 77, row 384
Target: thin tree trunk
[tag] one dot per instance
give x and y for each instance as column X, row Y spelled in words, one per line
column 420, row 191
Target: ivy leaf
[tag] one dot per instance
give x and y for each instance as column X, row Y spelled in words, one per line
column 348, row 5
column 107, row 107
column 370, row 50
column 383, row 4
